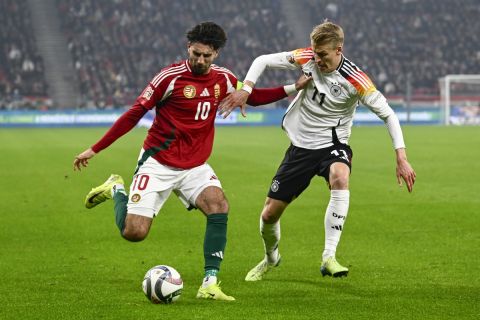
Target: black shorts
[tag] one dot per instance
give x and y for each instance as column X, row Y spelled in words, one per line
column 300, row 165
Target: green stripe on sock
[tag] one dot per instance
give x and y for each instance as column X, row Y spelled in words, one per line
column 211, row 273
column 120, row 199
column 215, row 240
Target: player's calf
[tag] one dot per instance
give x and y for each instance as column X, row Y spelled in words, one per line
column 136, row 227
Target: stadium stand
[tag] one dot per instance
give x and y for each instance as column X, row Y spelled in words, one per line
column 426, row 39
column 118, row 45
column 22, row 80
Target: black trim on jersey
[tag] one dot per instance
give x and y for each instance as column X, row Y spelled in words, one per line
column 344, row 73
column 343, row 68
column 350, row 64
column 154, row 150
column 341, row 63
column 285, row 114
column 334, row 134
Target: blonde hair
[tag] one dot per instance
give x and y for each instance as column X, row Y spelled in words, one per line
column 327, row 33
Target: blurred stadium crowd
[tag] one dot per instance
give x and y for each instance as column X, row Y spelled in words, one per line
column 21, row 66
column 427, row 39
column 117, row 46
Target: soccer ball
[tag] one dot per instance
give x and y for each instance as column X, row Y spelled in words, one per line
column 162, row 284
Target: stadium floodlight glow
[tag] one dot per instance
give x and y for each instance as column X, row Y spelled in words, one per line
column 460, row 92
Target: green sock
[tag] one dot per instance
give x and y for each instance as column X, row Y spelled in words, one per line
column 120, row 199
column 215, row 240
column 211, row 273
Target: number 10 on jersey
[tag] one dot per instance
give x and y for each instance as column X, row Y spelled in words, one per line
column 203, row 108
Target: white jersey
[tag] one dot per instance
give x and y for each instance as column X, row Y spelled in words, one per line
column 329, row 100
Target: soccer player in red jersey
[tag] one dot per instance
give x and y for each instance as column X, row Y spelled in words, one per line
column 185, row 96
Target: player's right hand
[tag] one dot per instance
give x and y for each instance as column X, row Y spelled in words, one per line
column 406, row 172
column 235, row 99
column 82, row 159
column 302, row 82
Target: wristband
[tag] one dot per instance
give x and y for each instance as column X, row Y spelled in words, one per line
column 290, row 89
column 247, row 88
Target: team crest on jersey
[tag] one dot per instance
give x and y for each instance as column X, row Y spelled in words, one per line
column 335, row 89
column 189, row 91
column 216, row 89
column 135, row 197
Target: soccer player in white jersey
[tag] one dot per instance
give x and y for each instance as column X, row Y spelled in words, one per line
column 318, row 123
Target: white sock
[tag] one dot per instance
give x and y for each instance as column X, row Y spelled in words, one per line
column 208, row 281
column 118, row 188
column 335, row 217
column 271, row 237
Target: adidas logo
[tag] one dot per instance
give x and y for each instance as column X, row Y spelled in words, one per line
column 339, row 228
column 218, row 254
column 205, row 93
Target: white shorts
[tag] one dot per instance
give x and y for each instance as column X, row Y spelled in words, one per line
column 152, row 184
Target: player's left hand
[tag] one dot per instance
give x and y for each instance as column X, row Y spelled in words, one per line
column 82, row 159
column 235, row 99
column 406, row 172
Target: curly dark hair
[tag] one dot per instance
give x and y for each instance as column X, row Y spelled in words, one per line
column 208, row 33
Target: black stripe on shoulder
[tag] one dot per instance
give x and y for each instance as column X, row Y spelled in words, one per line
column 341, row 68
column 348, row 68
column 351, row 65
column 341, row 63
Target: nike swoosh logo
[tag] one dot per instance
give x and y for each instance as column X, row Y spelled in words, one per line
column 90, row 200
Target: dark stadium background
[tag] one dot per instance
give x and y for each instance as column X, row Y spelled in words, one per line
column 100, row 54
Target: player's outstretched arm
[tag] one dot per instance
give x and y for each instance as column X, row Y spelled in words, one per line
column 260, row 96
column 82, row 159
column 236, row 99
column 405, row 170
column 125, row 123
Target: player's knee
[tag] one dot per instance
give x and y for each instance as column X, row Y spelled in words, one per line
column 268, row 217
column 134, row 234
column 219, row 206
column 339, row 176
column 212, row 200
column 339, row 182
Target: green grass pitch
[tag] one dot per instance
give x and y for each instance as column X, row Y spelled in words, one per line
column 411, row 256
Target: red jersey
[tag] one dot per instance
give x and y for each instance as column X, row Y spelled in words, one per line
column 186, row 104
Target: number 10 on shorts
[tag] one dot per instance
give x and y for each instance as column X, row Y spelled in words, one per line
column 140, row 182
